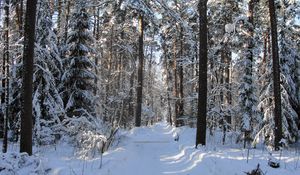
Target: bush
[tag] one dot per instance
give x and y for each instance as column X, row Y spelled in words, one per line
column 256, row 171
column 20, row 163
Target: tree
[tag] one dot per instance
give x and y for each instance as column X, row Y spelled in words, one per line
column 139, row 89
column 16, row 55
column 78, row 78
column 26, row 102
column 142, row 9
column 276, row 75
column 202, row 85
column 221, row 41
column 247, row 96
column 5, row 80
column 288, row 71
column 48, row 105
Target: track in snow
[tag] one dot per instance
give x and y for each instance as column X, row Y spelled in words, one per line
column 148, row 151
column 153, row 151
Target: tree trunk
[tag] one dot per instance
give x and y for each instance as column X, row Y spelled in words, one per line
column 97, row 35
column 131, row 107
column 139, row 89
column 249, row 56
column 26, row 102
column 59, row 18
column 5, row 81
column 67, row 21
column 276, row 75
column 227, row 94
column 202, row 90
column 19, row 13
column 298, row 88
column 180, row 74
column 168, row 79
column 175, row 90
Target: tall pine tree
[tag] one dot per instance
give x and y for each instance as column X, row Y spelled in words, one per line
column 47, row 102
column 78, row 78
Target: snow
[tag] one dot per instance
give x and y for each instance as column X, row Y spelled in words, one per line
column 230, row 28
column 153, row 151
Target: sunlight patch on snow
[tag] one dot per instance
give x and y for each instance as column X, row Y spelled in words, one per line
column 175, row 158
column 189, row 168
column 117, row 150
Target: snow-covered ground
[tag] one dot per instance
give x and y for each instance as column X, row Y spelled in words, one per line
column 153, row 151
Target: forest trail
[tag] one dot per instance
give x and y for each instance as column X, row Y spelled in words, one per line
column 152, row 151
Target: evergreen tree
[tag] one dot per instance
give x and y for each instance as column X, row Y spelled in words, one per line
column 222, row 14
column 287, row 55
column 16, row 39
column 47, row 103
column 78, row 78
column 247, row 96
column 288, row 87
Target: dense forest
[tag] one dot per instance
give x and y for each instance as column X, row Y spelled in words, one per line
column 82, row 70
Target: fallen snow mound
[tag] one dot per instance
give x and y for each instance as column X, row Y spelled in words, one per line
column 20, row 164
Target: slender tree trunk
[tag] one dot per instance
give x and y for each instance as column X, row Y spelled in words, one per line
column 97, row 35
column 19, row 13
column 8, row 117
column 109, row 68
column 298, row 88
column 276, row 75
column 5, row 86
column 131, row 107
column 227, row 94
column 265, row 51
column 139, row 89
column 202, row 91
column 26, row 102
column 175, row 88
column 59, row 18
column 223, row 121
column 95, row 22
column 168, row 80
column 67, row 21
column 180, row 74
column 149, row 82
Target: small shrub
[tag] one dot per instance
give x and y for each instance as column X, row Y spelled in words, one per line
column 256, row 171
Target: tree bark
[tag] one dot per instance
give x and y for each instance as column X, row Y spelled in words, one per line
column 97, row 35
column 180, row 74
column 19, row 13
column 175, row 89
column 5, row 81
column 67, row 22
column 202, row 90
column 139, row 89
column 59, row 18
column 26, row 101
column 276, row 75
column 168, row 79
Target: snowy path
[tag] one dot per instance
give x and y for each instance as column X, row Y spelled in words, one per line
column 153, row 151
column 149, row 152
